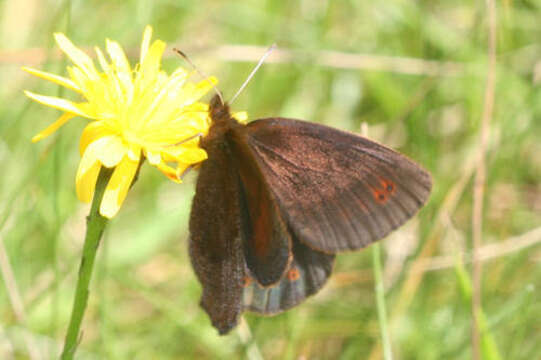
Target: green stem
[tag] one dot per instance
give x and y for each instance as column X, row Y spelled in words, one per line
column 57, row 164
column 380, row 301
column 95, row 224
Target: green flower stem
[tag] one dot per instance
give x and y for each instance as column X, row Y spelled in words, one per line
column 95, row 225
column 380, row 301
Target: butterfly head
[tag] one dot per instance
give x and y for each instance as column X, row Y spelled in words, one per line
column 219, row 110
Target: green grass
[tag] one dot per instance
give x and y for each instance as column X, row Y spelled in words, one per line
column 144, row 295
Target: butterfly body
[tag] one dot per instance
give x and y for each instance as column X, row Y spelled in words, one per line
column 277, row 198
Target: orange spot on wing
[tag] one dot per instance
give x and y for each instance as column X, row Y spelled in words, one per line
column 247, row 281
column 293, row 274
column 381, row 195
column 388, row 186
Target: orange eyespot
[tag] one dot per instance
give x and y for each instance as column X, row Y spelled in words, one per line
column 247, row 281
column 379, row 195
column 293, row 274
column 382, row 194
column 388, row 186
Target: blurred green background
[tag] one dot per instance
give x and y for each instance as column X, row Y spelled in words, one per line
column 413, row 71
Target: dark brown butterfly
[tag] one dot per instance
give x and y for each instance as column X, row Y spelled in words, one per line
column 277, row 198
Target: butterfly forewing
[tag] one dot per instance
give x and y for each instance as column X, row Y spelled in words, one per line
column 338, row 191
column 215, row 245
column 264, row 234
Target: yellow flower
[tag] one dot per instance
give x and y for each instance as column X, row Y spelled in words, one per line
column 135, row 111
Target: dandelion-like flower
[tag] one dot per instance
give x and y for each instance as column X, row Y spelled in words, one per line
column 135, row 112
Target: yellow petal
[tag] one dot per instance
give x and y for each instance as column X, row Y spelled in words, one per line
column 186, row 155
column 53, row 127
column 93, row 132
column 109, row 150
column 156, row 112
column 79, row 78
column 180, row 72
column 101, row 59
column 241, row 116
column 60, row 80
column 153, row 57
column 147, row 35
column 118, row 187
column 154, row 157
column 89, row 158
column 86, row 182
column 197, row 115
column 173, row 134
column 121, row 64
column 105, row 150
column 193, row 156
column 149, row 71
column 77, row 56
column 59, row 103
column 134, row 152
column 171, row 172
column 193, row 93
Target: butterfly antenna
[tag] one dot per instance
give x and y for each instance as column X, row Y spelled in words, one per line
column 202, row 74
column 265, row 56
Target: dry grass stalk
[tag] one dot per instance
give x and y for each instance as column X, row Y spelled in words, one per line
column 480, row 178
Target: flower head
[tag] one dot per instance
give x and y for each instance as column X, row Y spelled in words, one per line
column 135, row 112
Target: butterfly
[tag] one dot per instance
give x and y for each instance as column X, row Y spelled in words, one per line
column 278, row 198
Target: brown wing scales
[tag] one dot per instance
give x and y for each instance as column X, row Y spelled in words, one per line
column 307, row 273
column 277, row 198
column 338, row 191
column 215, row 245
column 266, row 242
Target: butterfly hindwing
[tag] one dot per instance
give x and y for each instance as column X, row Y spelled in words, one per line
column 306, row 274
column 337, row 191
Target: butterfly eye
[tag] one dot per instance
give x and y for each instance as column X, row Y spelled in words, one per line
column 293, row 274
